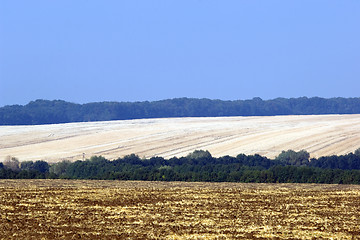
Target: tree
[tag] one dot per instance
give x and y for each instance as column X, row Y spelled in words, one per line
column 291, row 157
column 41, row 166
column 60, row 168
column 12, row 163
column 199, row 154
column 26, row 165
column 357, row 152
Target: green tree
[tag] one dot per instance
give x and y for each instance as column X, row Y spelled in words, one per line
column 26, row 165
column 199, row 154
column 291, row 157
column 59, row 168
column 41, row 166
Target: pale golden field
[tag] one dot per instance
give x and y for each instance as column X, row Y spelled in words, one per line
column 64, row 209
column 320, row 135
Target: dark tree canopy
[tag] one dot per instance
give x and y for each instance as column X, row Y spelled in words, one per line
column 292, row 157
column 57, row 111
column 290, row 167
column 199, row 154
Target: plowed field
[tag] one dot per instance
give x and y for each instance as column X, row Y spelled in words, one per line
column 268, row 136
column 63, row 209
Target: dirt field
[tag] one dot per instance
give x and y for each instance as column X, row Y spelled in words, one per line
column 63, row 209
column 268, row 136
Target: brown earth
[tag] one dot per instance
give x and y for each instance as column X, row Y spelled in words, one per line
column 320, row 135
column 65, row 209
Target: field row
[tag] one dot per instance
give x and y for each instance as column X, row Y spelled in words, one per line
column 63, row 209
column 321, row 135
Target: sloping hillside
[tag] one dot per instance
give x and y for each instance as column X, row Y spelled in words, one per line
column 320, row 135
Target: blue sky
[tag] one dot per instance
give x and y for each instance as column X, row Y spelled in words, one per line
column 87, row 51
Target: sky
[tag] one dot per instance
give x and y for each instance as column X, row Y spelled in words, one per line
column 139, row 50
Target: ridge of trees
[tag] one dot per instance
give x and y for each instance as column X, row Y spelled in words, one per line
column 58, row 111
column 289, row 167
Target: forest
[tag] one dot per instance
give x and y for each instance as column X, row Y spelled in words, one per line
column 58, row 111
column 288, row 167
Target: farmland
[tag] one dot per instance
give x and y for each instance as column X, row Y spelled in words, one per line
column 68, row 209
column 320, row 135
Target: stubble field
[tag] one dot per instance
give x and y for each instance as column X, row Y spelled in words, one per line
column 65, row 209
column 320, row 135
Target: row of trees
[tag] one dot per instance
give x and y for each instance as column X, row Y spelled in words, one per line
column 289, row 166
column 46, row 112
column 12, row 168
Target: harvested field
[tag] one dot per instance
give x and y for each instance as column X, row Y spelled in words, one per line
column 64, row 209
column 320, row 135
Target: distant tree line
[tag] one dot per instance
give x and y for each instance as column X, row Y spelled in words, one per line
column 57, row 111
column 289, row 167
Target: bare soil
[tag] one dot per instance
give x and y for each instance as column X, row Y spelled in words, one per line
column 64, row 209
column 321, row 135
